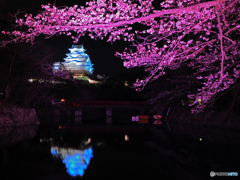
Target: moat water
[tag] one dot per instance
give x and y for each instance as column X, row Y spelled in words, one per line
column 102, row 152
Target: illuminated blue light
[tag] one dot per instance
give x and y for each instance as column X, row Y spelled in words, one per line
column 54, row 152
column 76, row 161
column 56, row 66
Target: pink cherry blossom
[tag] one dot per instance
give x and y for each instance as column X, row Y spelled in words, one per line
column 202, row 33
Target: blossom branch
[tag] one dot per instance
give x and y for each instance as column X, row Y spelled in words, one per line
column 221, row 39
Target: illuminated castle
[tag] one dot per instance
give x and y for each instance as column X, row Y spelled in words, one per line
column 77, row 62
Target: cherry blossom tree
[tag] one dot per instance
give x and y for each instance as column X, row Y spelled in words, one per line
column 202, row 33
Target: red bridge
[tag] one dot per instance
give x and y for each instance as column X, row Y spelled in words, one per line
column 112, row 108
column 109, row 103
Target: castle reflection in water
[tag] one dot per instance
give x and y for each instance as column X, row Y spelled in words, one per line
column 76, row 161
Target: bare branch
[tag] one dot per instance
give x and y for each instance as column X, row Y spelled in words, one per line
column 221, row 39
column 229, row 39
column 232, row 29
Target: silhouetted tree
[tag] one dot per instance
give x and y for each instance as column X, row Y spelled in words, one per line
column 26, row 70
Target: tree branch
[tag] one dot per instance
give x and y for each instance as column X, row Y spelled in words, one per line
column 151, row 16
column 232, row 29
column 221, row 39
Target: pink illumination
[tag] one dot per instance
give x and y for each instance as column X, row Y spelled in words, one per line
column 202, row 34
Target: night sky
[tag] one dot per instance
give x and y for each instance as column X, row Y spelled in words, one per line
column 100, row 52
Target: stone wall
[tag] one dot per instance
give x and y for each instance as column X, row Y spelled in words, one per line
column 15, row 115
column 54, row 111
column 55, row 114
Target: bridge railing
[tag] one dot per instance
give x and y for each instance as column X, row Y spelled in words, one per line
column 107, row 103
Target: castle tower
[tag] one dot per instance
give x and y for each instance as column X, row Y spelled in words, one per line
column 77, row 62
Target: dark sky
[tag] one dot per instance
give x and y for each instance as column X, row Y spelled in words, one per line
column 100, row 52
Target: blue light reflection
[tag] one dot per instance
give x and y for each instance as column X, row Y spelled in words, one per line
column 76, row 161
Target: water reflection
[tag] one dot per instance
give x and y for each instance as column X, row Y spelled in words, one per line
column 76, row 161
column 184, row 153
column 14, row 134
column 126, row 137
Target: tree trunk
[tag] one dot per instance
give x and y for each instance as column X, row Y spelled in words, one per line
column 7, row 94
